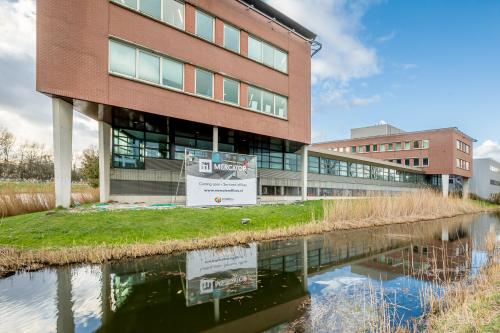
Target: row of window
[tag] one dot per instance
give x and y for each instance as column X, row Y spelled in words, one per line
column 462, row 146
column 347, row 169
column 173, row 12
column 143, row 65
column 394, row 146
column 461, row 164
column 494, row 182
column 408, row 161
column 494, row 169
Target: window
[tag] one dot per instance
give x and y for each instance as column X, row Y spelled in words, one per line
column 463, row 146
column 149, row 67
column 173, row 74
column 407, row 161
column 231, row 91
column 122, row 59
column 173, row 13
column 382, row 147
column 267, row 102
column 254, row 49
column 231, row 38
column 367, row 148
column 267, row 54
column 254, row 98
column 417, row 144
column 398, row 146
column 204, row 83
column 391, row 147
column 280, row 106
column 128, row 3
column 425, row 144
column 361, row 149
column 416, row 162
column 375, row 148
column 151, row 8
column 205, row 26
column 398, row 161
column 281, row 61
column 353, row 149
column 407, row 145
column 425, row 161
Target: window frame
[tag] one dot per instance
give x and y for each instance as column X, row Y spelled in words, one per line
column 224, row 90
column 230, row 26
column 149, row 15
column 196, row 81
column 138, row 62
column 197, row 10
column 183, row 14
column 162, row 59
column 273, row 47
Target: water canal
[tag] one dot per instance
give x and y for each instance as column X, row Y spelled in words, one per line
column 321, row 283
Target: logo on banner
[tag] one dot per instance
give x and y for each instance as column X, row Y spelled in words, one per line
column 206, row 286
column 205, row 166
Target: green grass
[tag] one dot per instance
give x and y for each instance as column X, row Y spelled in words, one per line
column 65, row 229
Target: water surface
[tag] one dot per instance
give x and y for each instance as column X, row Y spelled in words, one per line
column 321, row 283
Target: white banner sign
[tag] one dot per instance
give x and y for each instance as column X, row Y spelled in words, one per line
column 220, row 179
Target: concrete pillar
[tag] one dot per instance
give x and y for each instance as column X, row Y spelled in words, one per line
column 304, row 172
column 104, row 160
column 215, row 139
column 216, row 310
column 62, row 118
column 65, row 316
column 465, row 188
column 445, row 183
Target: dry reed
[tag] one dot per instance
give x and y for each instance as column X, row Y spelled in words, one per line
column 407, row 207
column 15, row 201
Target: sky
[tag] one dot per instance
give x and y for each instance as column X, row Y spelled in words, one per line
column 414, row 64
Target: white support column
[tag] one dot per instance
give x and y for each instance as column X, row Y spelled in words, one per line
column 104, row 161
column 445, row 183
column 215, row 139
column 445, row 237
column 465, row 188
column 304, row 172
column 62, row 118
column 304, row 265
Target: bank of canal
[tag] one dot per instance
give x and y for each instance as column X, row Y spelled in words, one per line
column 322, row 283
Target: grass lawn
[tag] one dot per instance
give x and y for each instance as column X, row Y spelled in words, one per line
column 66, row 229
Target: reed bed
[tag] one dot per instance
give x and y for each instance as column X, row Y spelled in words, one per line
column 406, row 207
column 16, row 200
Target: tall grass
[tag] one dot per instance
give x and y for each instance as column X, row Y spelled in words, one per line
column 16, row 200
column 407, row 207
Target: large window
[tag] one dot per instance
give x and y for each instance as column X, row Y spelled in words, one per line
column 149, row 67
column 267, row 54
column 205, row 26
column 267, row 102
column 231, row 38
column 204, row 83
column 151, row 8
column 231, row 91
column 173, row 74
column 122, row 59
column 173, row 13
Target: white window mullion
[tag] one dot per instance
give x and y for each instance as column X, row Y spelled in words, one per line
column 161, row 9
column 161, row 68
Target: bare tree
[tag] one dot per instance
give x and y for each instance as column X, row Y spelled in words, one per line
column 7, row 141
column 90, row 166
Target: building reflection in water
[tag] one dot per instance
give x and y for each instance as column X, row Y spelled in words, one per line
column 256, row 287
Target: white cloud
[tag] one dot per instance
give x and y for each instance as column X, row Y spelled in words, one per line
column 337, row 23
column 386, row 38
column 488, row 148
column 17, row 28
column 359, row 101
column 23, row 110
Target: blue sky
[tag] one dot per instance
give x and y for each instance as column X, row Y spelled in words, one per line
column 415, row 64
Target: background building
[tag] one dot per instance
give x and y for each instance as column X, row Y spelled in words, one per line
column 161, row 76
column 444, row 155
column 486, row 179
